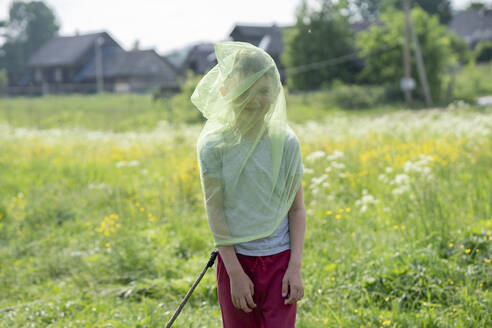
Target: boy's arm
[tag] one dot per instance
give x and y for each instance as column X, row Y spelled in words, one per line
column 297, row 226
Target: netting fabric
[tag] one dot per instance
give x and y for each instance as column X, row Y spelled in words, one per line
column 249, row 157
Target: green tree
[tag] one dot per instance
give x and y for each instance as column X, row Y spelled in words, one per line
column 29, row 26
column 318, row 35
column 387, row 67
column 475, row 5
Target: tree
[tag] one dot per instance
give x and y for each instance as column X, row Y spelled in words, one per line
column 475, row 5
column 318, row 35
column 386, row 68
column 29, row 26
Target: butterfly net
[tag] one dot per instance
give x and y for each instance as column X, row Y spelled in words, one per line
column 249, row 158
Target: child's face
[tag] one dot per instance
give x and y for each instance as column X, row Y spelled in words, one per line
column 261, row 96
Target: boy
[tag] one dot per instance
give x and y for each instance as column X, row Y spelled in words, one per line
column 251, row 171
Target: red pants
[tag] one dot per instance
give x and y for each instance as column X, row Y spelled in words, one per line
column 266, row 273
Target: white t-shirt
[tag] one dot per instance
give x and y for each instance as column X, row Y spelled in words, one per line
column 256, row 176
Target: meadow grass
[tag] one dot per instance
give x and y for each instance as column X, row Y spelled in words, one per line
column 104, row 226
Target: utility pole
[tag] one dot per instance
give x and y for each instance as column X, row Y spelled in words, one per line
column 420, row 62
column 99, row 65
column 406, row 53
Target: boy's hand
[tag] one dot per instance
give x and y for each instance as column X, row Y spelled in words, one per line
column 242, row 291
column 292, row 280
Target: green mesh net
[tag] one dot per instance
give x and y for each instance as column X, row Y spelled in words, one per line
column 249, row 157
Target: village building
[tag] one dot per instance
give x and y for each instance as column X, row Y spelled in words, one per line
column 95, row 62
column 473, row 25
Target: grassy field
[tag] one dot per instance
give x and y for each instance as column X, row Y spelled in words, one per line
column 102, row 221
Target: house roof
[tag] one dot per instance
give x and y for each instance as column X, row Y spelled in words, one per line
column 200, row 57
column 269, row 38
column 473, row 25
column 67, row 50
column 118, row 63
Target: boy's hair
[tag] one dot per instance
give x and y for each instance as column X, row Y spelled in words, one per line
column 248, row 62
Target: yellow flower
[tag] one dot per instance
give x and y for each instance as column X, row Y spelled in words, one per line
column 338, row 216
column 142, row 209
column 328, row 212
column 478, row 250
column 487, row 260
column 386, row 323
column 108, row 244
column 488, row 233
column 467, row 250
column 347, row 209
column 462, row 246
column 395, row 226
column 353, row 234
column 340, row 210
column 451, row 282
column 356, row 310
column 450, row 244
column 387, row 299
column 332, row 278
column 403, row 227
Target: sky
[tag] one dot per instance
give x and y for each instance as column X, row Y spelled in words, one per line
column 166, row 25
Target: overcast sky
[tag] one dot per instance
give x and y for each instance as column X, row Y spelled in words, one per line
column 169, row 24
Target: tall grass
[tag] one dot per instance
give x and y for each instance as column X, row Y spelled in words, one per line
column 107, row 229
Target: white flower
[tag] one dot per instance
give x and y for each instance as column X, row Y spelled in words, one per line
column 336, row 155
column 401, row 179
column 315, row 156
column 389, row 169
column 400, row 190
column 133, row 163
column 120, row 164
column 382, row 178
column 339, row 166
column 308, row 170
column 318, row 180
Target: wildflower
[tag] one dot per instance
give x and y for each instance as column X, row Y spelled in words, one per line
column 387, row 299
column 340, row 210
column 403, row 227
column 450, row 244
column 332, row 278
column 336, row 155
column 315, row 156
column 338, row 216
column 467, row 250
column 395, row 227
column 347, row 209
column 328, row 212
column 462, row 246
column 107, row 244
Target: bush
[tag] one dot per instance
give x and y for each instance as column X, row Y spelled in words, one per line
column 483, row 52
column 386, row 66
column 357, row 96
column 3, row 82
